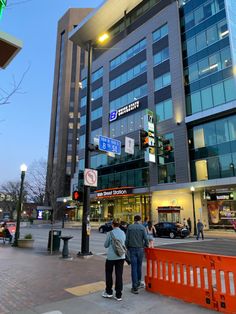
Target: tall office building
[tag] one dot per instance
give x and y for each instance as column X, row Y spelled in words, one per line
column 64, row 116
column 173, row 62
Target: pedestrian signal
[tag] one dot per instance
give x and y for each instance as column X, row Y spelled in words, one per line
column 77, row 196
column 143, row 139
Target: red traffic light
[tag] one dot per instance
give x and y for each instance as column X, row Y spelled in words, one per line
column 77, row 196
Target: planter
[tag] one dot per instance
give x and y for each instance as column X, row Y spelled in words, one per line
column 25, row 243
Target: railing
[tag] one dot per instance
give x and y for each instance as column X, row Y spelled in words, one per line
column 204, row 279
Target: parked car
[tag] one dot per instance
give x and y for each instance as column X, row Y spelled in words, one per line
column 171, row 229
column 108, row 226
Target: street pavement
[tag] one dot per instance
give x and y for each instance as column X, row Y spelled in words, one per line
column 33, row 281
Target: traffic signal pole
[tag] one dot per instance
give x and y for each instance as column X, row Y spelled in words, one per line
column 86, row 200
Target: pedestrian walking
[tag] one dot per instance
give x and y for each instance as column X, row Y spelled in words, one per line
column 114, row 261
column 189, row 222
column 200, row 228
column 151, row 231
column 145, row 223
column 136, row 240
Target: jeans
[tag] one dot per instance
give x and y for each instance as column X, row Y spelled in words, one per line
column 198, row 234
column 118, row 264
column 136, row 259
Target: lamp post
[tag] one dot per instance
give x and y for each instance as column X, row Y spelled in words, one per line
column 192, row 189
column 63, row 213
column 87, row 157
column 23, row 169
column 232, row 168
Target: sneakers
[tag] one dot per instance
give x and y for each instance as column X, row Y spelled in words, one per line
column 134, row 290
column 106, row 295
column 117, row 299
column 141, row 285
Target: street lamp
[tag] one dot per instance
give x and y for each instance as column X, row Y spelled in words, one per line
column 87, row 157
column 23, row 169
column 63, row 213
column 192, row 189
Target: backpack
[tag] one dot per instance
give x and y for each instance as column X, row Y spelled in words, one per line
column 117, row 245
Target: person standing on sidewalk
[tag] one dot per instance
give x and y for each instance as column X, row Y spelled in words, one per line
column 200, row 229
column 189, row 224
column 114, row 261
column 136, row 240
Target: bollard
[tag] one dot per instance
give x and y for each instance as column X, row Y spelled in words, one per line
column 65, row 251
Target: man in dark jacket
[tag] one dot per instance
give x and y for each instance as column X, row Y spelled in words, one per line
column 200, row 229
column 136, row 240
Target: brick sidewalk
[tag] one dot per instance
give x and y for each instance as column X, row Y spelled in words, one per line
column 30, row 277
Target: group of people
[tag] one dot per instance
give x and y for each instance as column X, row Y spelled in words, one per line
column 135, row 240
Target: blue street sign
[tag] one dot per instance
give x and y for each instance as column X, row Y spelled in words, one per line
column 110, row 145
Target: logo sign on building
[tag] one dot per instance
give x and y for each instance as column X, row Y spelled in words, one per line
column 114, row 192
column 150, row 155
column 129, row 145
column 124, row 110
column 90, row 177
column 110, row 145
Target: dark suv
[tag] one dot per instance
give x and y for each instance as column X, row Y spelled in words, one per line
column 171, row 229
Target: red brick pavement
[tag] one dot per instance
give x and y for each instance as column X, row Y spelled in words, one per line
column 30, row 278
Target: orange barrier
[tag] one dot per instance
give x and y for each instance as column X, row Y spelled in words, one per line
column 204, row 279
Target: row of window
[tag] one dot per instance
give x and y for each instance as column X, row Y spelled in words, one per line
column 160, row 33
column 161, row 56
column 129, row 97
column 206, row 38
column 127, row 125
column 164, row 110
column 162, row 81
column 213, row 63
column 202, row 13
column 97, row 93
column 211, row 96
column 129, row 75
column 94, row 133
column 222, row 166
column 216, row 132
column 95, row 114
column 95, row 76
column 129, row 53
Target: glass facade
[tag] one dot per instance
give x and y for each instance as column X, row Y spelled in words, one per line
column 161, row 56
column 162, row 81
column 129, row 75
column 127, row 125
column 160, row 33
column 164, row 110
column 213, row 149
column 128, row 54
column 129, row 97
column 166, row 163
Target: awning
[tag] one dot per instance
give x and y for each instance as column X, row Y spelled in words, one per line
column 9, row 47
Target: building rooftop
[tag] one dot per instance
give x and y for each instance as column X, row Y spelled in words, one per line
column 100, row 20
column 9, row 47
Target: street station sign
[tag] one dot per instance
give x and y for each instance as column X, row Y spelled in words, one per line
column 109, row 145
column 90, row 177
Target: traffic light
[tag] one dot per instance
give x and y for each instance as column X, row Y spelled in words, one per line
column 167, row 148
column 143, row 139
column 77, row 196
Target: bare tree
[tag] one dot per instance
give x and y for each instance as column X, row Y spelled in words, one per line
column 36, row 181
column 51, row 194
column 5, row 95
column 11, row 192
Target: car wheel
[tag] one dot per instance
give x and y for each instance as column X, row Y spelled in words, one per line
column 172, row 235
column 101, row 230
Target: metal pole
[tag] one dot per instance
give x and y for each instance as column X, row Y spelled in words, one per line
column 86, row 200
column 19, row 205
column 194, row 215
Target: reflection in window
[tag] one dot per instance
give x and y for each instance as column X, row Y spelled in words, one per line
column 201, row 170
column 164, row 110
column 162, row 81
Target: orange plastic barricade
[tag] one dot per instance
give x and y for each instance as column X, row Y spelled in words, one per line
column 200, row 278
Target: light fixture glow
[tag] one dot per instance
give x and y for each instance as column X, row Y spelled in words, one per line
column 192, row 189
column 103, row 37
column 23, row 167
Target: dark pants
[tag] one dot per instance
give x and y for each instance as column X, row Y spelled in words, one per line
column 136, row 259
column 119, row 276
column 198, row 234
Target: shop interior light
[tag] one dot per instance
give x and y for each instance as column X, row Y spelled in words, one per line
column 103, row 37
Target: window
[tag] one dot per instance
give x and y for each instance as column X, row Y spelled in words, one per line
column 129, row 75
column 129, row 97
column 160, row 33
column 161, row 56
column 129, row 53
column 96, row 114
column 82, row 120
column 162, row 81
column 82, row 141
column 164, row 110
column 97, row 74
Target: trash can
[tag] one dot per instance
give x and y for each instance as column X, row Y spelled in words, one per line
column 55, row 240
